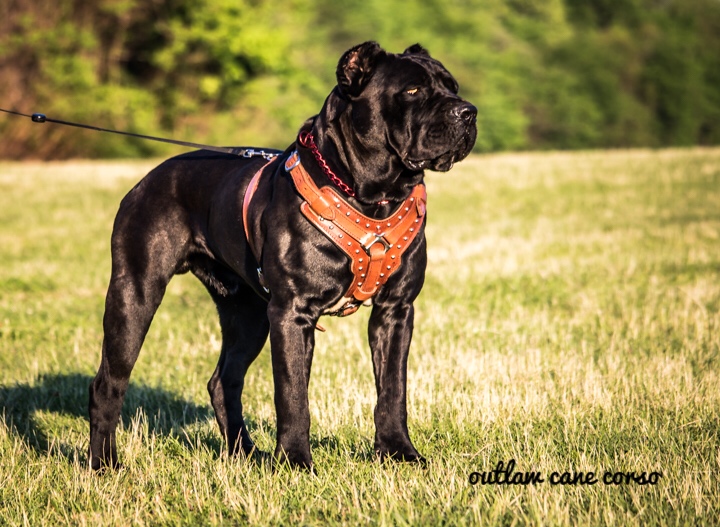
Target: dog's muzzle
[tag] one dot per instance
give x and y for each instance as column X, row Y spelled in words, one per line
column 454, row 136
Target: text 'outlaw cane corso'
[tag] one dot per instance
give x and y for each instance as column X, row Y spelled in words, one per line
column 335, row 221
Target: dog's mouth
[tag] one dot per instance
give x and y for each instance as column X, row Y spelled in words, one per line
column 446, row 160
column 441, row 163
column 417, row 165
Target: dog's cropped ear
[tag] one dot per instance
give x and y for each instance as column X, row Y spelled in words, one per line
column 356, row 67
column 416, row 49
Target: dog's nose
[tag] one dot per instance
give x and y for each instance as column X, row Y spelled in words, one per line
column 465, row 112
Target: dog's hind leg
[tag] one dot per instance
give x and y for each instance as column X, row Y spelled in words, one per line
column 145, row 255
column 245, row 327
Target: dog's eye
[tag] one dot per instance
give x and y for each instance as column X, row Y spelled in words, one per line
column 411, row 91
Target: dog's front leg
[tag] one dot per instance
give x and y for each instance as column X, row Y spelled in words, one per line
column 292, row 340
column 390, row 332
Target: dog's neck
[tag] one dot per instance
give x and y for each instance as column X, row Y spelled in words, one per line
column 376, row 174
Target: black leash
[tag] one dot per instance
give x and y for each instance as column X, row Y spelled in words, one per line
column 237, row 151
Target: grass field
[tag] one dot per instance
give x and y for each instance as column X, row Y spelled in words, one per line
column 570, row 321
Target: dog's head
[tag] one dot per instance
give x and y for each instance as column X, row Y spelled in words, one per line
column 410, row 102
column 390, row 117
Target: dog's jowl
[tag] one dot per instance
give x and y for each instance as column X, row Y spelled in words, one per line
column 335, row 221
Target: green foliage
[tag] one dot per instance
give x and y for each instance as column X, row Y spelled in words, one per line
column 544, row 74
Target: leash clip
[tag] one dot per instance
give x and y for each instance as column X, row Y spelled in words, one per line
column 251, row 152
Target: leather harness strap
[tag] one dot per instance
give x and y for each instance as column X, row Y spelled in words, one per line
column 249, row 193
column 375, row 247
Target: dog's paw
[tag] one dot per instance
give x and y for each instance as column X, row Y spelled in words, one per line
column 407, row 456
column 294, row 461
column 101, row 467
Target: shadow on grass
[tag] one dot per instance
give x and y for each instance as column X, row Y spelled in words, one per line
column 67, row 395
column 25, row 406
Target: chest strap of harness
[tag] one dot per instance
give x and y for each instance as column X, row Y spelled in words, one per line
column 375, row 247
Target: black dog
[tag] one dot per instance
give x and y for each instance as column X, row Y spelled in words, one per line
column 390, row 117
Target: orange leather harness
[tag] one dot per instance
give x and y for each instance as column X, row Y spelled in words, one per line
column 375, row 247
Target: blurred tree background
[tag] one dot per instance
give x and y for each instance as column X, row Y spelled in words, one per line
column 562, row 74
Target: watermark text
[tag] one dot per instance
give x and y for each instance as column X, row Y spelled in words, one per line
column 505, row 474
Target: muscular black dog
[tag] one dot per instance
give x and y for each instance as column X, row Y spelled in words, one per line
column 390, row 117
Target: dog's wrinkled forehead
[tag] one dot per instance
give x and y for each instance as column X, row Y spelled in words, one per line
column 416, row 70
column 368, row 64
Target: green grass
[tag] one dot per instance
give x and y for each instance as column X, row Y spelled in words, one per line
column 570, row 321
